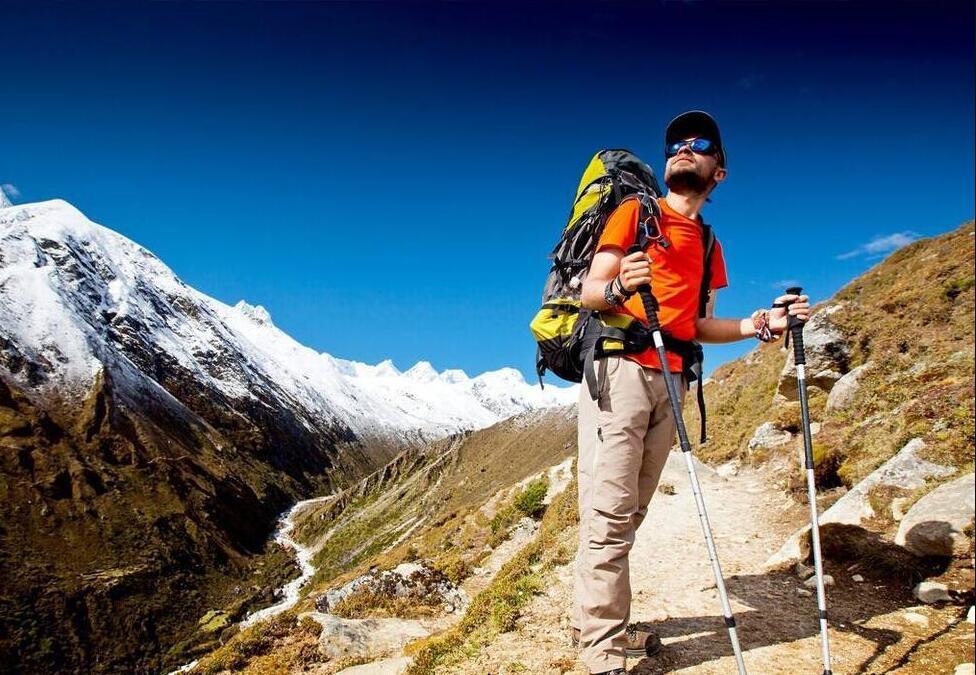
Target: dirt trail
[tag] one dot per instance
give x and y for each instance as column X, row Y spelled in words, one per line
column 674, row 595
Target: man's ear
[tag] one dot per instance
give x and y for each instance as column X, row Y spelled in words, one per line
column 720, row 174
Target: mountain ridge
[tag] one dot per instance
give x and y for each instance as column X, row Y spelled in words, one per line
column 152, row 435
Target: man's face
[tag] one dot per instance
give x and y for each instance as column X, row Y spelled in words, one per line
column 689, row 172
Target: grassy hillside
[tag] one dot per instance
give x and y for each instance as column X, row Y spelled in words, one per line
column 447, row 505
column 911, row 316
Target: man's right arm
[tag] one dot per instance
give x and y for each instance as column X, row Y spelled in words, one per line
column 634, row 270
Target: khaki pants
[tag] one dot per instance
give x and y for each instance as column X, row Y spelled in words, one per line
column 624, row 441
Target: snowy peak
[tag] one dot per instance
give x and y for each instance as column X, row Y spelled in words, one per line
column 422, row 372
column 77, row 298
column 258, row 314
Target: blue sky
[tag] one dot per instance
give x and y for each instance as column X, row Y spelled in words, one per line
column 388, row 178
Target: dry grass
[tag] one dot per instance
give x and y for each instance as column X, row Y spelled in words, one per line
column 912, row 316
column 497, row 609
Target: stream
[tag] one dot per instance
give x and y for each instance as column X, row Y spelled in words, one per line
column 291, row 591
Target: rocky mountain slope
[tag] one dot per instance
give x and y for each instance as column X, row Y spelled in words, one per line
column 892, row 369
column 151, row 435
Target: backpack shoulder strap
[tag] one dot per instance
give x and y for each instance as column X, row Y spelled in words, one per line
column 708, row 241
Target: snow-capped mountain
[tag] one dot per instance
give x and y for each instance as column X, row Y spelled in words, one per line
column 152, row 435
column 77, row 298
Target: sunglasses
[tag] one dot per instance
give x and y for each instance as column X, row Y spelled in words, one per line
column 700, row 146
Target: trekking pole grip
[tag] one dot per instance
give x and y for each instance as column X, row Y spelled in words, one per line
column 795, row 327
column 647, row 297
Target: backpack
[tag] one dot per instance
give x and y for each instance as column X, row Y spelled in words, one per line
column 570, row 338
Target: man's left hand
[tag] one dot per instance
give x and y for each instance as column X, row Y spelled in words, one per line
column 799, row 306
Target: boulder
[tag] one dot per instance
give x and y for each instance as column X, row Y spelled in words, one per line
column 904, row 470
column 827, row 353
column 767, row 436
column 931, row 592
column 965, row 669
column 406, row 580
column 842, row 393
column 358, row 638
column 935, row 524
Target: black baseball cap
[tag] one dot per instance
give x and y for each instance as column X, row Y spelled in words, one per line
column 695, row 123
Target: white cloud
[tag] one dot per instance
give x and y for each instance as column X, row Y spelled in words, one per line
column 881, row 245
column 11, row 190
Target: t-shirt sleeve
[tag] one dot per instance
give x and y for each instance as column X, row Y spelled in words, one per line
column 621, row 228
column 720, row 277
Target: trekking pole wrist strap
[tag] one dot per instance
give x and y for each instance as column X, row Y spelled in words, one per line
column 620, row 286
column 760, row 322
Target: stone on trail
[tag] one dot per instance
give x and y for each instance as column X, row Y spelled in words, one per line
column 969, row 617
column 804, row 593
column 965, row 669
column 857, row 578
column 802, row 571
column 931, row 592
column 842, row 393
column 812, row 581
column 915, row 618
column 935, row 524
column 904, row 470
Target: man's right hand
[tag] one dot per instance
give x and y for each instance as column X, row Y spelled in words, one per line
column 635, row 271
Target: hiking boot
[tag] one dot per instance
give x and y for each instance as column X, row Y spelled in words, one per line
column 639, row 642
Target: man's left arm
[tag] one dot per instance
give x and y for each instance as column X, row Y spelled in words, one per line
column 710, row 329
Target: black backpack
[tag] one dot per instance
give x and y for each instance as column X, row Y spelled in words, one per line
column 570, row 338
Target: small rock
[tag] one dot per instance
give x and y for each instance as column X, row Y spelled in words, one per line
column 804, row 593
column 965, row 669
column 858, row 579
column 767, row 435
column 802, row 571
column 931, row 592
column 915, row 618
column 815, row 428
column 969, row 617
column 812, row 581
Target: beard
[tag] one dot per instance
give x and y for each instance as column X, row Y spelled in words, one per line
column 687, row 180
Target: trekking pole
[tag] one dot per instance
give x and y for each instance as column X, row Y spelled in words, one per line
column 650, row 308
column 795, row 328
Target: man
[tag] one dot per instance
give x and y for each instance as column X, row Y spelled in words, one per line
column 626, row 434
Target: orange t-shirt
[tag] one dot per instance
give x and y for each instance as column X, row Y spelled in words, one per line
column 676, row 273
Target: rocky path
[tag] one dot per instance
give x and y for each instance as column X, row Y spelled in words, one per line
column 874, row 626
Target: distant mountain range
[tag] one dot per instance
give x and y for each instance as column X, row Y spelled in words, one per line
column 151, row 434
column 78, row 298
